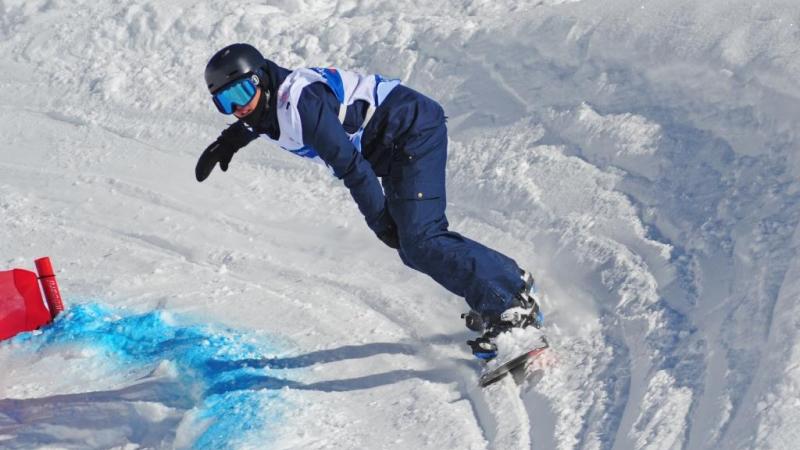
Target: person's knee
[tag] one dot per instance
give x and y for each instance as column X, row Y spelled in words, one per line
column 429, row 246
column 420, row 224
column 414, row 246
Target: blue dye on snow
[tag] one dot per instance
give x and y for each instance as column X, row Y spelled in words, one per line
column 204, row 357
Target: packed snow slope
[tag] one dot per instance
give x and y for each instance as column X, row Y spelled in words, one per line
column 640, row 157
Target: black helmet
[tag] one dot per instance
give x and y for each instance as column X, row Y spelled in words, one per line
column 232, row 63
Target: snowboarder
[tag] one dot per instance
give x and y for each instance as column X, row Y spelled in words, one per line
column 365, row 128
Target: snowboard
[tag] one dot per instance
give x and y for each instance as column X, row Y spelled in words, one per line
column 514, row 364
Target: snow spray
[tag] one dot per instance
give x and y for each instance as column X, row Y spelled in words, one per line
column 49, row 285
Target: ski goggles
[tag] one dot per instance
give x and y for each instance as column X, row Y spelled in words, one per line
column 239, row 93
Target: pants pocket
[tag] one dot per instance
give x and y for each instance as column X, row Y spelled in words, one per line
column 415, row 189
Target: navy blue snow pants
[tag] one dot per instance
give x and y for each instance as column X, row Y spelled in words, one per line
column 416, row 198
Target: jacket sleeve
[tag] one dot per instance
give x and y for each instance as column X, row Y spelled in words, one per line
column 237, row 135
column 323, row 132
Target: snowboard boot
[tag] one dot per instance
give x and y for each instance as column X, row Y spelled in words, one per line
column 523, row 313
column 528, row 298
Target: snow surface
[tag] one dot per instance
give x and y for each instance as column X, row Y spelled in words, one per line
column 639, row 157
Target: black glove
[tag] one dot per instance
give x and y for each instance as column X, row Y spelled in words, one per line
column 389, row 237
column 384, row 227
column 222, row 150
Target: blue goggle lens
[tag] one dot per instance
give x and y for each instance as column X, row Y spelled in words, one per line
column 239, row 93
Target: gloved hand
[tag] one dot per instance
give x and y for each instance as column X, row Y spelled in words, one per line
column 386, row 230
column 222, row 150
column 215, row 153
column 389, row 237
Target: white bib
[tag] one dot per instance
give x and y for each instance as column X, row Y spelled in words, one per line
column 349, row 87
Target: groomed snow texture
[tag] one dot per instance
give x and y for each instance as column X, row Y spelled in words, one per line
column 640, row 157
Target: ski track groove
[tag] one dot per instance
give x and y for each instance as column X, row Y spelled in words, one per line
column 676, row 347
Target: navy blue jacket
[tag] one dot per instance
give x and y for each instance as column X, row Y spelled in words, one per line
column 404, row 114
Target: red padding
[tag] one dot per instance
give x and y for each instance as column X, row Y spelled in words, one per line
column 21, row 304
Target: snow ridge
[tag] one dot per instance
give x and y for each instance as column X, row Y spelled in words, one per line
column 638, row 157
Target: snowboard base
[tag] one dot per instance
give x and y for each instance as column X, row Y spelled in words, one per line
column 512, row 365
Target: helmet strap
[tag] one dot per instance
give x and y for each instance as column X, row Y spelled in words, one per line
column 260, row 78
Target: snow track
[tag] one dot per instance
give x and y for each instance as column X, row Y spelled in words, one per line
column 639, row 157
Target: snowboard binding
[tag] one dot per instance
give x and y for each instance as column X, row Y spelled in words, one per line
column 473, row 321
column 523, row 313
